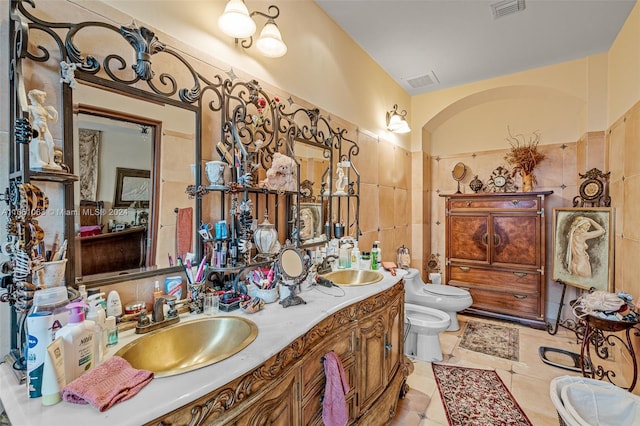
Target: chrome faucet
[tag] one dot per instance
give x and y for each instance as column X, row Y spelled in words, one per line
column 159, row 320
column 325, row 265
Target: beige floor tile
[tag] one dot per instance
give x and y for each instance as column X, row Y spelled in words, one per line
column 527, row 379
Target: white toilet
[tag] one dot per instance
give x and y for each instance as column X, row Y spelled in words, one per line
column 446, row 298
column 422, row 327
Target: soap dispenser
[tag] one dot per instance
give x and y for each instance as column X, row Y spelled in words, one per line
column 97, row 314
column 77, row 342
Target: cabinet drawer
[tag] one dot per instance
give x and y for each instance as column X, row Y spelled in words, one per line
column 313, row 370
column 312, row 403
column 521, row 305
column 509, row 203
column 513, row 281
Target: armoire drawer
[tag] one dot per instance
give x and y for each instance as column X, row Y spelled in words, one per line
column 510, row 303
column 500, row 203
column 515, row 281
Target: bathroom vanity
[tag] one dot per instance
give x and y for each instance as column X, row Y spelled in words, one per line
column 278, row 379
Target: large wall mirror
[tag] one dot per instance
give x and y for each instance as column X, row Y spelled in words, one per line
column 133, row 160
column 315, row 181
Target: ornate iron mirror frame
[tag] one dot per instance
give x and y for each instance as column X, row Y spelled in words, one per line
column 237, row 103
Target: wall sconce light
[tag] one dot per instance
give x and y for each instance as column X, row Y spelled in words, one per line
column 237, row 22
column 396, row 121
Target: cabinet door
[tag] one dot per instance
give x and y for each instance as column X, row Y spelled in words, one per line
column 394, row 336
column 468, row 238
column 515, row 240
column 280, row 407
column 371, row 365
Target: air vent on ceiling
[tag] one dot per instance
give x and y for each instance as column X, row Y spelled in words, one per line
column 423, row 80
column 507, row 7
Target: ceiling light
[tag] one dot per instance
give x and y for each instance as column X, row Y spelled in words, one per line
column 237, row 22
column 396, row 121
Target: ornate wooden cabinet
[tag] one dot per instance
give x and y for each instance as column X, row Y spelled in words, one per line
column 495, row 249
column 288, row 389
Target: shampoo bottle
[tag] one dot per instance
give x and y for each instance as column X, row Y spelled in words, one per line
column 77, row 342
column 97, row 314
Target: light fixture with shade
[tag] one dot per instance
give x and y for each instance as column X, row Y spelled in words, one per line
column 396, row 121
column 237, row 22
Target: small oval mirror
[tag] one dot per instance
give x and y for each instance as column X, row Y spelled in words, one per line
column 459, row 171
column 291, row 263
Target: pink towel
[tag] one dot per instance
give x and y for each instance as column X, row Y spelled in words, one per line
column 109, row 383
column 184, row 232
column 334, row 404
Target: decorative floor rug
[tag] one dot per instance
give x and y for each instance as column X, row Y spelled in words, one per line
column 475, row 397
column 491, row 339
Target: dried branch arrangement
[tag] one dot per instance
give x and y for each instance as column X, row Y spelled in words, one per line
column 524, row 155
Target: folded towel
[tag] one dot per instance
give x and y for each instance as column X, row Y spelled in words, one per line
column 334, row 403
column 109, row 383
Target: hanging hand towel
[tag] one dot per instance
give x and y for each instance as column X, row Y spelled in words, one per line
column 184, row 232
column 109, row 383
column 334, row 404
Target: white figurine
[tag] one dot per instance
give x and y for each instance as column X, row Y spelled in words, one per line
column 67, row 71
column 341, row 181
column 41, row 149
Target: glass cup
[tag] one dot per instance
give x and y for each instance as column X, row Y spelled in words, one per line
column 210, row 304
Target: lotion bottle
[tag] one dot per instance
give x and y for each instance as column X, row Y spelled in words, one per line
column 77, row 343
column 97, row 314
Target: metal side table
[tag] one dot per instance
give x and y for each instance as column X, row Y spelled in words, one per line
column 600, row 336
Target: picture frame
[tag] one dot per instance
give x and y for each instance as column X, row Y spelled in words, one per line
column 310, row 212
column 582, row 248
column 132, row 185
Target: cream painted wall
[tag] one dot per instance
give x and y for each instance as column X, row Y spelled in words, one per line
column 323, row 64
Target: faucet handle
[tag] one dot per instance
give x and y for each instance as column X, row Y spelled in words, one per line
column 143, row 319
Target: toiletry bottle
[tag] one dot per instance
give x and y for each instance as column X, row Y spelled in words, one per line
column 355, row 256
column 112, row 331
column 82, row 289
column 365, row 260
column 98, row 315
column 157, row 291
column 114, row 305
column 78, row 342
column 379, row 250
column 374, row 257
column 342, row 256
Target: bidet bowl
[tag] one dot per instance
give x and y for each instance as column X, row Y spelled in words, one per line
column 189, row 345
column 353, row 277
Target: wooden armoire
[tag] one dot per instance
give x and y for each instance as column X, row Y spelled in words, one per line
column 495, row 249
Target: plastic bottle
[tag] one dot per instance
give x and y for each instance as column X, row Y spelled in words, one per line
column 375, row 260
column 98, row 315
column 112, row 331
column 114, row 305
column 355, row 256
column 379, row 249
column 78, row 342
column 48, row 315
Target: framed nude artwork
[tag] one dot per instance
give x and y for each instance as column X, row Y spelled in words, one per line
column 583, row 240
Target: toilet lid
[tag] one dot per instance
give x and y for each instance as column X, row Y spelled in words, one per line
column 445, row 290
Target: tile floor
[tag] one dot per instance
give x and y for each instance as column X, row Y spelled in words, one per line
column 527, row 379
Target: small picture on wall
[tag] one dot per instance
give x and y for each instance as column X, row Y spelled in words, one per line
column 132, row 185
column 583, row 247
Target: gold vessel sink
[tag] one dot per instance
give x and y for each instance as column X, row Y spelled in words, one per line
column 189, row 345
column 352, row 277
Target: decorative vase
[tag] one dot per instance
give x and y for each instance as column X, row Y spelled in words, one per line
column 527, row 182
column 476, row 184
column 265, row 236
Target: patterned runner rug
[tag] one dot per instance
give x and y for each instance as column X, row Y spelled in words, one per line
column 491, row 339
column 475, row 397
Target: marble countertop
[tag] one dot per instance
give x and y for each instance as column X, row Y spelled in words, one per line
column 277, row 327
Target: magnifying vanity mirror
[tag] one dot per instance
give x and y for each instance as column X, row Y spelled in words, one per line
column 293, row 266
column 459, row 172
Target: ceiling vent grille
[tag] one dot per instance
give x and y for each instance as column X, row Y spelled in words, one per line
column 423, row 80
column 507, row 7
